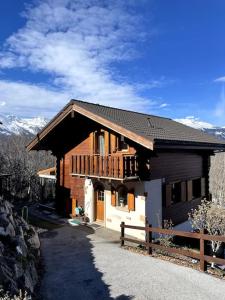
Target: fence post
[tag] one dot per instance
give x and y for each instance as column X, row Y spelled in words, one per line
column 122, row 233
column 203, row 263
column 148, row 238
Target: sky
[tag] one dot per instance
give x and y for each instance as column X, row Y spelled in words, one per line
column 160, row 57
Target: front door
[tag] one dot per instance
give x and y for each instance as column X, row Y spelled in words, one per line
column 99, row 195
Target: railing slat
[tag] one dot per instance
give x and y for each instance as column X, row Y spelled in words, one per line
column 113, row 166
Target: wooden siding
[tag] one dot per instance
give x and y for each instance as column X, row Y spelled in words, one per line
column 176, row 166
column 72, row 187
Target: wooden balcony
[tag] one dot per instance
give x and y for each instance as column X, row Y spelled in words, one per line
column 110, row 166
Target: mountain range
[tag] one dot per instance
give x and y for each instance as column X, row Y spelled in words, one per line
column 30, row 126
column 191, row 121
column 21, row 126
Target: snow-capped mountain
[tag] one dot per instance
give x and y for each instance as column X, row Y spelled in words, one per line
column 15, row 125
column 196, row 123
column 30, row 126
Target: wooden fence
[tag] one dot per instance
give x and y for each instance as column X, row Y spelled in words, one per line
column 201, row 236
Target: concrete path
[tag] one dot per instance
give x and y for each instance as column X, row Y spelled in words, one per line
column 82, row 264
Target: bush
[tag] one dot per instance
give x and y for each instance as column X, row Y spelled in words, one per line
column 211, row 217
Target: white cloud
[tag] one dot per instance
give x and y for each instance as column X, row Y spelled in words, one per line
column 220, row 107
column 76, row 43
column 163, row 105
column 220, row 79
column 194, row 122
column 27, row 99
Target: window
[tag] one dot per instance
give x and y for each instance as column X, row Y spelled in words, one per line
column 100, row 143
column 196, row 188
column 100, row 195
column 122, row 196
column 183, row 191
column 176, row 193
column 122, row 145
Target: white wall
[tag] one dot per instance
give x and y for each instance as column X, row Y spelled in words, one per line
column 115, row 215
column 89, row 199
column 153, row 189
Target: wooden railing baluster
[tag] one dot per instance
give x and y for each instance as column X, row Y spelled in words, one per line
column 112, row 166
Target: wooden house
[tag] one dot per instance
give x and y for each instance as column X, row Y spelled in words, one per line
column 121, row 165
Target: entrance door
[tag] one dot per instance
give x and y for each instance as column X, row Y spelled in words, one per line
column 99, row 195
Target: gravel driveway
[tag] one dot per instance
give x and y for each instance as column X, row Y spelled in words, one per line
column 81, row 264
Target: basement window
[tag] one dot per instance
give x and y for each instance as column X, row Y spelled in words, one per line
column 176, row 193
column 196, row 188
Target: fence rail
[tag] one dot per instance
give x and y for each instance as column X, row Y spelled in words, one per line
column 201, row 236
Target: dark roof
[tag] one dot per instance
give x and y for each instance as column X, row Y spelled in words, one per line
column 150, row 127
column 147, row 130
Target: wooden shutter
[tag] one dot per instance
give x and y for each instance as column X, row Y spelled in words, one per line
column 183, row 191
column 203, row 191
column 106, row 135
column 113, row 198
column 189, row 190
column 91, row 136
column 73, row 210
column 113, row 143
column 168, row 194
column 131, row 201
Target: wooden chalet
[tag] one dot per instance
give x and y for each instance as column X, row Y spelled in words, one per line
column 121, row 165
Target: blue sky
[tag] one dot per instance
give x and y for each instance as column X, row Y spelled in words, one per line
column 161, row 57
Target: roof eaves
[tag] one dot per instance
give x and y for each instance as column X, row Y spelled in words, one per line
column 160, row 143
column 55, row 121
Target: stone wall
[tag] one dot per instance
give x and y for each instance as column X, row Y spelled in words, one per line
column 19, row 252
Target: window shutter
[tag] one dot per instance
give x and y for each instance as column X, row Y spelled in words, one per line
column 113, row 143
column 168, row 194
column 203, row 191
column 73, row 210
column 106, row 135
column 189, row 190
column 183, row 191
column 113, row 198
column 131, row 201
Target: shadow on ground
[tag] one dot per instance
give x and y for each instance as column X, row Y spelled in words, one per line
column 70, row 271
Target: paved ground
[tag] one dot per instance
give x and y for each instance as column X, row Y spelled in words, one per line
column 82, row 264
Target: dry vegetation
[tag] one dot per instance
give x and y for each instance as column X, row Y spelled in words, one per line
column 217, row 179
column 23, row 166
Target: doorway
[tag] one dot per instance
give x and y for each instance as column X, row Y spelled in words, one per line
column 99, row 203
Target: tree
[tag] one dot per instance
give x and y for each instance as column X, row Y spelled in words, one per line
column 23, row 166
column 209, row 216
column 217, row 179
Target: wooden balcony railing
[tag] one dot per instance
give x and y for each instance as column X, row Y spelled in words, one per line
column 115, row 166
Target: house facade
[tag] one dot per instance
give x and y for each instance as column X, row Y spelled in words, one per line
column 126, row 166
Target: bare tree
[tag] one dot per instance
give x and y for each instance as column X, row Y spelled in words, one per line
column 217, row 178
column 23, row 166
column 209, row 216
